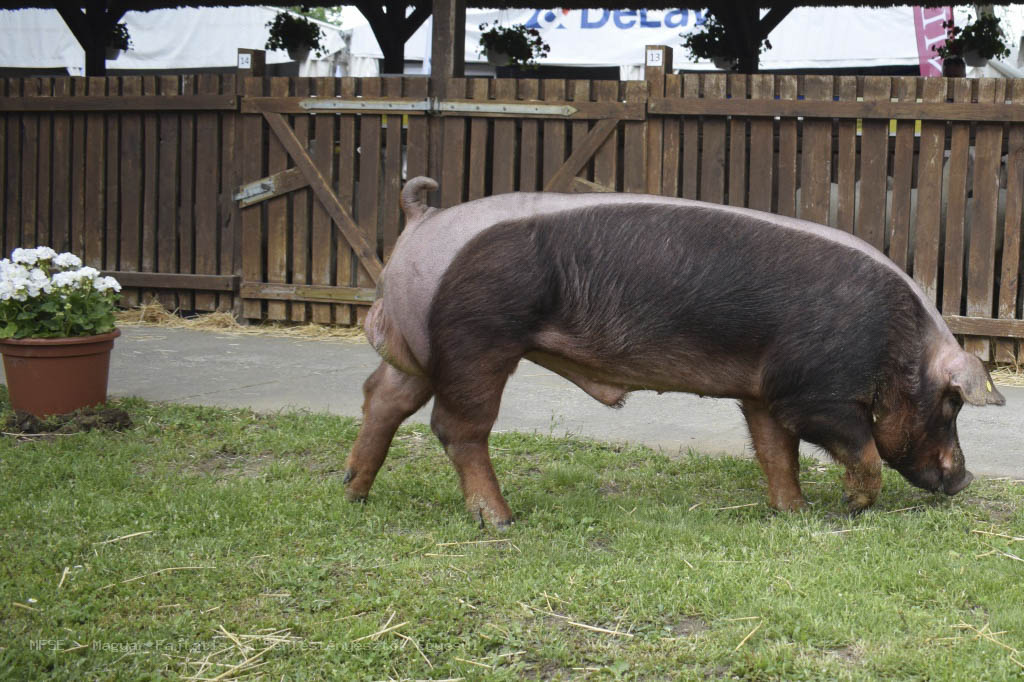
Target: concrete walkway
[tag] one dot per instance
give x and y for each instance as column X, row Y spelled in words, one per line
column 267, row 373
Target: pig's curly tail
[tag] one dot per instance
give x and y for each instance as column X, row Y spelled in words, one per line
column 413, row 201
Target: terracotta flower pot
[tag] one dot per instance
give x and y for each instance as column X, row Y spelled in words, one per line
column 57, row 376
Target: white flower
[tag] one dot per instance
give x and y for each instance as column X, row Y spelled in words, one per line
column 45, row 253
column 104, row 283
column 67, row 260
column 65, row 279
column 88, row 273
column 7, row 289
column 26, row 256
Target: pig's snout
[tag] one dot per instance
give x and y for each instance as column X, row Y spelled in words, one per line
column 951, row 486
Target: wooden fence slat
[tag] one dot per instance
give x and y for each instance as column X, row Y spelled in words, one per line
column 529, row 151
column 29, row 161
column 606, row 159
column 762, row 147
column 478, row 160
column 902, row 176
column 453, row 172
column 5, row 119
column 111, row 224
column 346, row 188
column 634, row 162
column 323, row 155
column 846, row 163
column 956, row 205
column 874, row 157
column 416, row 138
column 712, row 162
column 298, row 255
column 186, row 194
column 505, row 147
column 167, row 190
column 61, row 191
column 76, row 207
column 130, row 157
column 786, row 202
column 207, row 156
column 1010, row 272
column 929, row 195
column 228, row 209
column 392, row 185
column 12, row 189
column 816, row 155
column 671, row 141
column 252, row 217
column 691, row 139
column 368, row 195
column 737, row 194
column 150, row 189
column 981, row 246
column 94, row 184
column 277, row 214
column 44, row 171
column 554, row 149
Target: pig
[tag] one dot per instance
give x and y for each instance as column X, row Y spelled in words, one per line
column 817, row 335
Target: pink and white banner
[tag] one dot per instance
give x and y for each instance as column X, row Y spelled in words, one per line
column 930, row 34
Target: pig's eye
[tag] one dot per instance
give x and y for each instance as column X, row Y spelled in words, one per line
column 951, row 405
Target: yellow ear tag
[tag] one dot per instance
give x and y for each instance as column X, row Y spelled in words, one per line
column 988, row 385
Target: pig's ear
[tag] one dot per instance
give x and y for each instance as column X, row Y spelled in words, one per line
column 972, row 381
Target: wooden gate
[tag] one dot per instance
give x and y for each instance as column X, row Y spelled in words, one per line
column 320, row 212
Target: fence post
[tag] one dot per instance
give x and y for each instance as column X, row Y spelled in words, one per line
column 657, row 62
column 251, row 63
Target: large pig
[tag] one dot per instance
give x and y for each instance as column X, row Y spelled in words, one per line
column 819, row 336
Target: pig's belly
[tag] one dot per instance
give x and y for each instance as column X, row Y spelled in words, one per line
column 692, row 372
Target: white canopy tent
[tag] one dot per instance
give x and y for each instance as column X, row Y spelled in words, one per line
column 808, row 38
column 183, row 38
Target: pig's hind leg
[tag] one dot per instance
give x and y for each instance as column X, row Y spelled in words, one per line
column 390, row 396
column 465, row 407
column 778, row 454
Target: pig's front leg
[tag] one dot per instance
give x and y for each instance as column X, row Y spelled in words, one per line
column 389, row 397
column 778, row 454
column 863, row 478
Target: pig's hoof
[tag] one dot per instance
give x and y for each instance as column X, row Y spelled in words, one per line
column 857, row 501
column 790, row 505
column 505, row 525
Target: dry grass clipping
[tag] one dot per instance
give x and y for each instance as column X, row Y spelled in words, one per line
column 1008, row 375
column 155, row 315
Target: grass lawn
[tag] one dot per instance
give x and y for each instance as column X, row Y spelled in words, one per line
column 216, row 544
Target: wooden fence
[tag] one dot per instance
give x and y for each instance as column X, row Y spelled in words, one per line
column 278, row 198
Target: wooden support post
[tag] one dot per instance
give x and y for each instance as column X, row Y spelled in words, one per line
column 447, row 61
column 251, row 63
column 657, row 62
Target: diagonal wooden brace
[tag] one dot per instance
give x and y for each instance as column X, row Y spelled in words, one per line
column 561, row 181
column 366, row 253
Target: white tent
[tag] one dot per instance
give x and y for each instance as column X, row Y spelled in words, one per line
column 183, row 38
column 808, row 38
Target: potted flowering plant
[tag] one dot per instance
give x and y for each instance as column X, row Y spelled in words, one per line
column 118, row 40
column 56, row 331
column 295, row 34
column 512, row 45
column 975, row 43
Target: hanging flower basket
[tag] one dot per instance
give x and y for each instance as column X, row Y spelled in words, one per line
column 299, row 53
column 56, row 331
column 113, row 53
